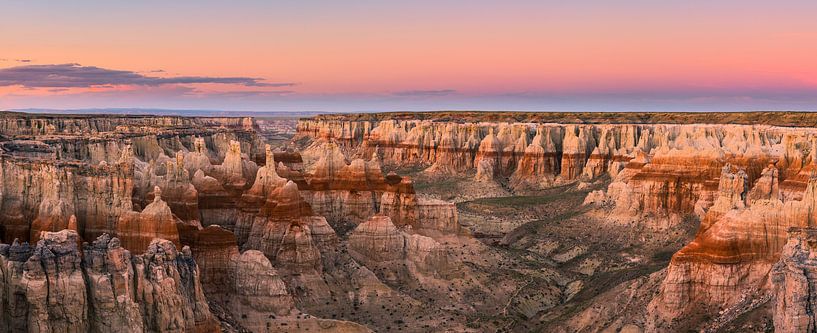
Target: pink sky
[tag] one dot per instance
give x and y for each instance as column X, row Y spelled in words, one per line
column 367, row 55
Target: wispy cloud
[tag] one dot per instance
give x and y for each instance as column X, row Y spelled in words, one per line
column 441, row 92
column 22, row 60
column 245, row 94
column 78, row 76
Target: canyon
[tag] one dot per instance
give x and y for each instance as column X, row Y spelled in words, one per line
column 417, row 222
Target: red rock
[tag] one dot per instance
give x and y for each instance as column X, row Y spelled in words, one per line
column 137, row 230
column 212, row 248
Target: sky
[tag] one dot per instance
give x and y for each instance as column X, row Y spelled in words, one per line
column 310, row 55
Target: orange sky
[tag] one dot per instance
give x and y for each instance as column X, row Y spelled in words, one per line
column 372, row 55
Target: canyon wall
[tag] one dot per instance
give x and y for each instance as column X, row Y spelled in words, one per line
column 197, row 215
column 747, row 185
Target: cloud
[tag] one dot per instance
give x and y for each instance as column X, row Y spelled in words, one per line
column 78, row 76
column 441, row 92
column 245, row 94
column 22, row 60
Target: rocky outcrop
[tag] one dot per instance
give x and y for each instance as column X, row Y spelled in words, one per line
column 249, row 292
column 575, row 146
column 169, row 290
column 380, row 246
column 96, row 194
column 674, row 172
column 282, row 232
column 795, row 279
column 341, row 192
column 377, row 241
column 137, row 230
column 456, row 147
column 174, row 180
column 99, row 166
column 734, row 250
column 46, row 288
column 266, row 181
column 213, row 247
column 560, row 153
column 113, row 293
column 54, row 215
column 258, row 289
column 541, row 161
column 221, row 186
column 489, row 157
column 55, row 288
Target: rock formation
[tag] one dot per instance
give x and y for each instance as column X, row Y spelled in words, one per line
column 55, row 288
column 540, row 161
column 794, row 282
column 380, row 246
column 338, row 229
column 734, row 250
column 284, row 230
column 137, row 230
column 258, row 290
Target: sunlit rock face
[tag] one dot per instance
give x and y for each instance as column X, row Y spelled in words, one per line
column 349, row 192
column 741, row 238
column 377, row 240
column 745, row 184
column 344, row 192
column 95, row 194
column 544, row 154
column 284, row 229
column 137, row 230
column 575, row 146
column 674, row 171
column 257, row 289
column 174, row 180
column 540, row 161
column 213, row 247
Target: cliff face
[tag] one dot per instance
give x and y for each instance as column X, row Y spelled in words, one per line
column 96, row 194
column 537, row 156
column 741, row 237
column 343, row 192
column 795, row 282
column 746, row 184
column 663, row 173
